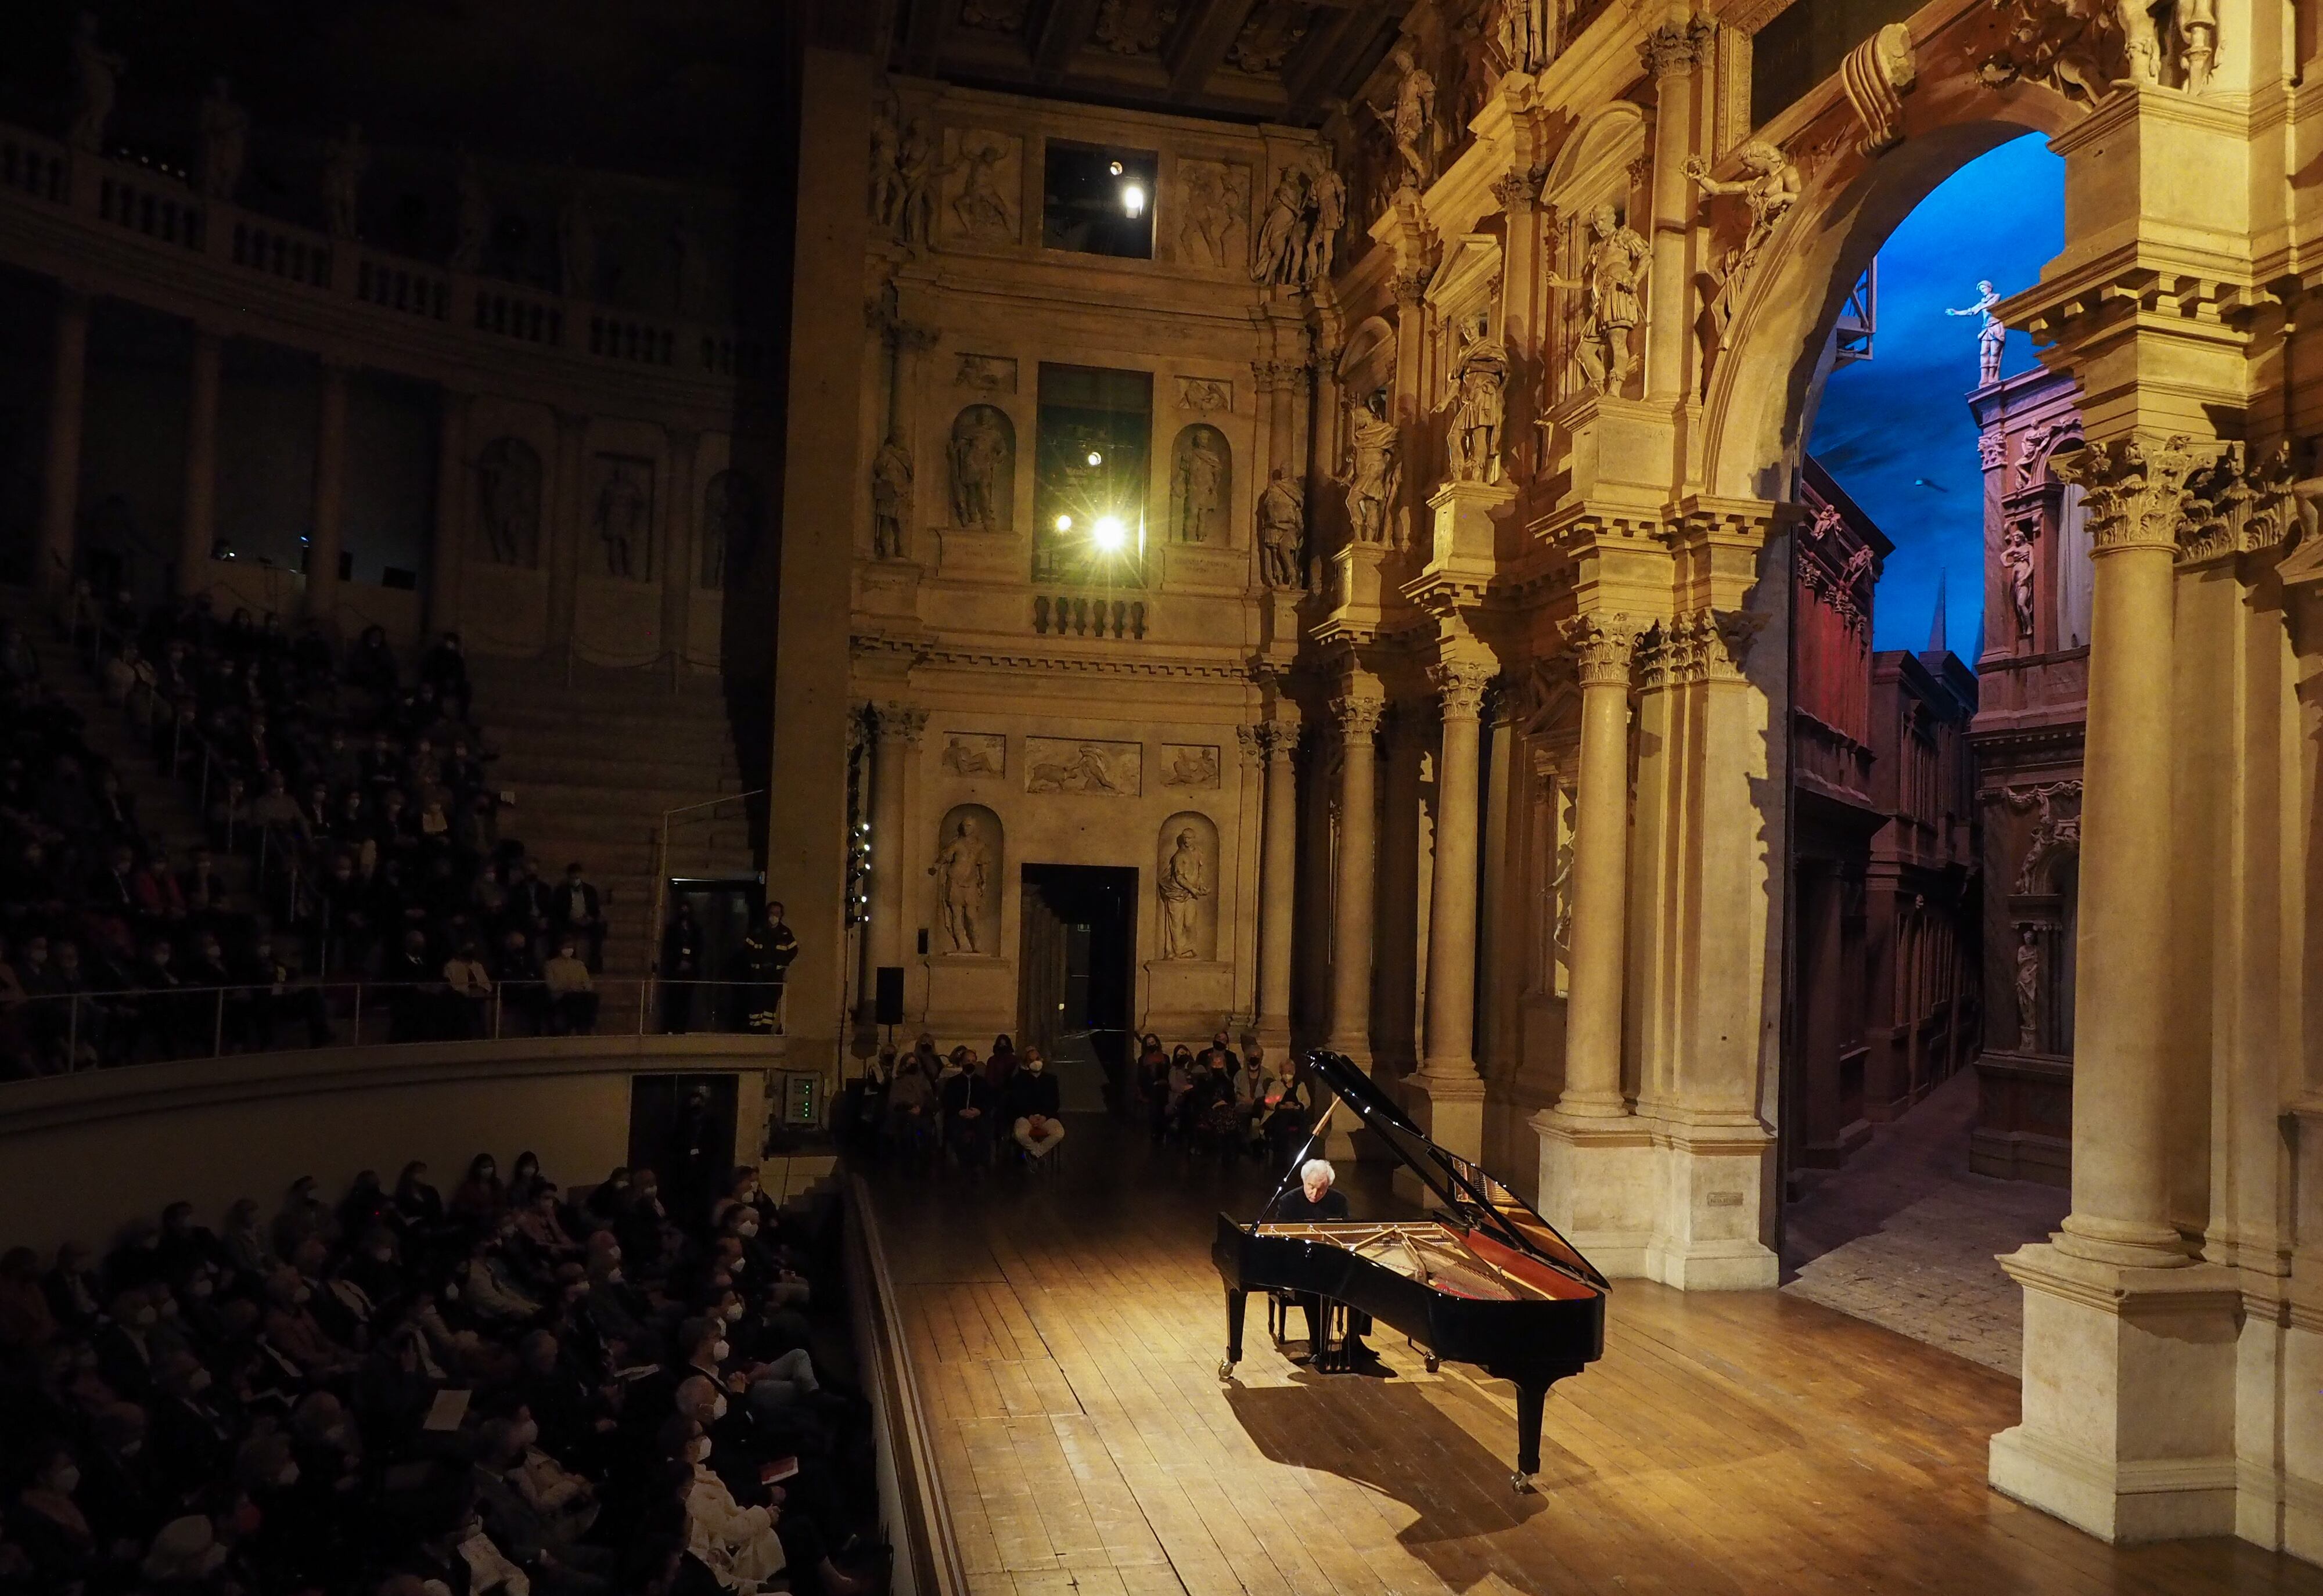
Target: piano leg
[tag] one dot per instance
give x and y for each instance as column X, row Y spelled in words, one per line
column 1530, row 1400
column 1235, row 1301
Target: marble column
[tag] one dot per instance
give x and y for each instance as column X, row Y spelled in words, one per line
column 323, row 542
column 1358, row 718
column 1673, row 53
column 678, row 558
column 61, row 477
column 900, row 726
column 1448, row 1093
column 198, row 527
column 1277, row 885
column 1600, row 831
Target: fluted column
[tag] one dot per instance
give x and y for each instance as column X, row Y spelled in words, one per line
column 1358, row 718
column 324, row 538
column 1673, row 53
column 61, row 477
column 899, row 729
column 197, row 529
column 1450, row 1050
column 1277, row 883
column 1593, row 1016
column 2121, row 1006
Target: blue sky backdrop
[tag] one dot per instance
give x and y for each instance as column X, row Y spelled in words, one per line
column 1895, row 429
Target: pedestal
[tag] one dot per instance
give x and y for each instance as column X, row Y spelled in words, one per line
column 2128, row 1428
column 1277, row 617
column 1357, row 589
column 889, row 588
column 1464, row 529
column 1599, row 1184
column 1650, row 1199
column 1450, row 1109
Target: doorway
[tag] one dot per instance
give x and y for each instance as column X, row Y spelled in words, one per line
column 689, row 1143
column 723, row 911
column 1075, row 958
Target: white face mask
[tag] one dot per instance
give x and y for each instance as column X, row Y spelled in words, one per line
column 527, row 1433
column 698, row 1450
column 718, row 1408
column 302, row 1296
column 289, row 1476
column 145, row 1317
column 198, row 1380
column 733, row 1312
column 65, row 1481
column 720, row 1353
column 612, row 1277
column 746, row 1230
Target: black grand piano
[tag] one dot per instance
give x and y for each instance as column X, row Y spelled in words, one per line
column 1481, row 1280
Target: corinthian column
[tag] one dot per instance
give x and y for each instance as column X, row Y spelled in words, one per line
column 1451, row 894
column 1600, row 831
column 1358, row 717
column 899, row 729
column 1672, row 52
column 1277, row 883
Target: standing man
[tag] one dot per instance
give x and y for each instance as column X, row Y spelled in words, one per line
column 766, row 955
column 580, row 917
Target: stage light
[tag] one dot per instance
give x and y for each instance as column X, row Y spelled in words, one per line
column 1064, row 523
column 1133, row 200
column 1114, row 169
column 1095, row 457
column 1110, row 533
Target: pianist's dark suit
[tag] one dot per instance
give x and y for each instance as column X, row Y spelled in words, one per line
column 1295, row 1209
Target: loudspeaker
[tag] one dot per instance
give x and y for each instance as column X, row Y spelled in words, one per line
column 888, row 1002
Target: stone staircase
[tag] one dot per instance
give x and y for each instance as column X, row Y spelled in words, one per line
column 167, row 809
column 594, row 764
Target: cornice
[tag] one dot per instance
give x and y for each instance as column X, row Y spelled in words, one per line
column 863, row 644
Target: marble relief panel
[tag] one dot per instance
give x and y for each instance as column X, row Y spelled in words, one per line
column 1084, row 766
column 983, row 185
column 971, row 754
column 1190, row 766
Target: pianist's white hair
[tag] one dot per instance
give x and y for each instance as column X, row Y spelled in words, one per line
column 1317, row 1166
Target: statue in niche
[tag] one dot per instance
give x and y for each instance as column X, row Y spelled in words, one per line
column 1527, row 34
column 1185, row 883
column 1283, row 531
column 886, row 180
column 2017, row 559
column 1201, row 485
column 1375, row 475
column 1413, row 124
column 981, row 209
column 916, row 175
column 891, row 499
column 1991, row 333
column 730, row 529
column 507, row 501
column 1479, row 403
column 344, row 160
column 1281, row 239
column 225, row 137
column 1618, row 260
column 475, row 217
column 624, row 516
column 982, row 454
column 1330, row 193
column 2028, row 990
column 96, row 77
column 962, row 870
column 576, row 246
column 1769, row 187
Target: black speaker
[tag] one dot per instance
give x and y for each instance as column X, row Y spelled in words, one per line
column 888, row 1002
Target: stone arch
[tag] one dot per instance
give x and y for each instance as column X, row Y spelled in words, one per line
column 1368, row 360
column 1201, row 487
column 964, row 908
column 732, row 512
column 1186, row 928
column 509, row 503
column 980, row 468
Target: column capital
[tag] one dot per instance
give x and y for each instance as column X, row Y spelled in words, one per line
column 1518, row 191
column 1460, row 686
column 898, row 722
column 1677, row 46
column 1602, row 644
column 1358, row 714
column 1707, row 646
column 2136, row 487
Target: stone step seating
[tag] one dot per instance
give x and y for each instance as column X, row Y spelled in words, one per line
column 594, row 762
column 166, row 809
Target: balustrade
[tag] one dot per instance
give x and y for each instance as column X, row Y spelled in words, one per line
column 1077, row 615
column 35, row 166
column 618, row 338
column 517, row 316
column 396, row 286
column 144, row 205
column 286, row 253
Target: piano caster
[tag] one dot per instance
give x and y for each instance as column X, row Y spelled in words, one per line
column 1520, row 1483
column 1225, row 1368
column 1434, row 1363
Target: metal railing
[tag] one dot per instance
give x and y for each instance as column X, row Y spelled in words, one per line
column 62, row 1032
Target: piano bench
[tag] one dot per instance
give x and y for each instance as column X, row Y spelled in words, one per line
column 1280, row 1305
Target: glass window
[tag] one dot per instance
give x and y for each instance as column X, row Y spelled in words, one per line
column 1099, row 201
column 1090, row 465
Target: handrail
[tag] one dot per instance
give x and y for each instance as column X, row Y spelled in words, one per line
column 928, row 1561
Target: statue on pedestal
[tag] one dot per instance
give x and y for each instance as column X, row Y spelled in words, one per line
column 961, row 870
column 1282, row 531
column 1991, row 334
column 1185, row 883
column 225, row 134
column 1619, row 261
column 891, row 499
column 96, row 74
column 1479, row 403
column 344, row 161
column 1375, row 474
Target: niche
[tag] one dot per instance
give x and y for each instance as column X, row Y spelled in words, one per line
column 967, row 873
column 1201, row 486
column 1186, row 889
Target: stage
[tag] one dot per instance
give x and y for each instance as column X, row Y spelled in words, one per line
column 1068, row 1326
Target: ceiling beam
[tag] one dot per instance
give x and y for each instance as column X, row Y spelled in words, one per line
column 1331, row 56
column 1203, row 42
column 1064, row 30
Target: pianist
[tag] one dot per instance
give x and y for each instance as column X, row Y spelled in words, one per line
column 1317, row 1202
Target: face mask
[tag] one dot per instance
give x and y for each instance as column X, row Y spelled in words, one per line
column 384, row 1254
column 169, row 1310
column 526, row 1433
column 722, row 1352
column 202, row 1287
column 699, row 1451
column 65, row 1481
column 338, row 1436
column 1032, row 1066
column 131, row 1448
column 733, row 1312
column 302, row 1296
column 612, row 1277
column 199, row 1382
column 289, row 1476
column 718, row 1408
column 145, row 1318
column 746, row 1230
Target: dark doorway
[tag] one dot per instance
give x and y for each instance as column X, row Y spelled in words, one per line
column 1079, row 944
column 690, row 1146
column 724, row 910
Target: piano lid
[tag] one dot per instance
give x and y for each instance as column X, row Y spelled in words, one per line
column 1461, row 1185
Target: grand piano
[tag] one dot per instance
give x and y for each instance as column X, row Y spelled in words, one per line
column 1481, row 1279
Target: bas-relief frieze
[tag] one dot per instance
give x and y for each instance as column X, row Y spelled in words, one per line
column 971, row 754
column 983, row 175
column 1190, row 766
column 1084, row 766
column 986, row 373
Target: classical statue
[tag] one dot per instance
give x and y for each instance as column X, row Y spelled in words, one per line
column 1618, row 260
column 1330, row 191
column 1991, row 334
column 96, row 74
column 576, row 246
column 1769, row 187
column 2028, row 990
column 1282, row 531
column 886, row 181
column 226, row 135
column 1375, row 474
column 962, row 871
column 1201, row 484
column 1478, row 403
column 2016, row 558
column 891, row 499
column 475, row 217
column 1281, row 239
column 1202, row 234
column 1413, row 124
column 623, row 512
column 1527, row 34
column 730, row 529
column 344, row 161
column 507, row 501
column 980, row 450
column 915, row 205
column 981, row 209
column 1185, row 883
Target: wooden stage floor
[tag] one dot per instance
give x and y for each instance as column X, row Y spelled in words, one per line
column 1067, row 1328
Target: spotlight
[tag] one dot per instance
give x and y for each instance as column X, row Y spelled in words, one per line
column 1116, row 169
column 1110, row 533
column 1064, row 523
column 1095, row 457
column 1133, row 200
